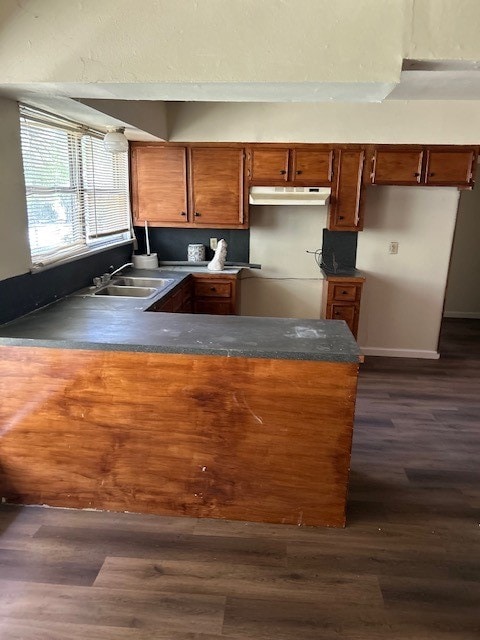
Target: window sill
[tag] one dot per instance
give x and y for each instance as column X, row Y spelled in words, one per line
column 79, row 256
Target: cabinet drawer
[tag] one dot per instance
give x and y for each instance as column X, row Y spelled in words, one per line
column 346, row 292
column 213, row 289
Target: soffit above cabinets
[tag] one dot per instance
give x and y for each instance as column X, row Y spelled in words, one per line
column 438, row 80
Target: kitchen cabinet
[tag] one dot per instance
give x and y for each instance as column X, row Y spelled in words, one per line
column 188, row 432
column 432, row 166
column 217, row 197
column 347, row 199
column 447, row 167
column 180, row 300
column 189, row 186
column 341, row 300
column 215, row 294
column 293, row 166
column 159, row 185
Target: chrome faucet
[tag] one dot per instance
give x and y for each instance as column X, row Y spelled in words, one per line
column 113, row 273
column 106, row 277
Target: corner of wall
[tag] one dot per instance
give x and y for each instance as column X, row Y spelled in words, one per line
column 14, row 248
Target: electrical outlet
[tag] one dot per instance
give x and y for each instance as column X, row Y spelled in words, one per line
column 213, row 243
column 393, row 247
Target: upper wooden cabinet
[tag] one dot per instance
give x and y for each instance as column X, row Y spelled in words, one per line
column 423, row 166
column 346, row 204
column 446, row 167
column 282, row 165
column 401, row 166
column 175, row 186
column 268, row 166
column 205, row 185
column 217, row 186
column 159, row 184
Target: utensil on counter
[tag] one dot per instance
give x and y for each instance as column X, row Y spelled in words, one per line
column 148, row 260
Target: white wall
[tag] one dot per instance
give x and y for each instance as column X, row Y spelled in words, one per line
column 403, row 297
column 463, row 291
column 289, row 283
column 401, row 122
column 443, row 30
column 14, row 248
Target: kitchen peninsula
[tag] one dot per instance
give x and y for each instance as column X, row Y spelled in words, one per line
column 105, row 406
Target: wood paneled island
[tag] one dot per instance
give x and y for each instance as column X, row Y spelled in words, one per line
column 238, row 428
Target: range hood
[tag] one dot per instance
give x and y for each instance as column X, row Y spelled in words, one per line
column 309, row 196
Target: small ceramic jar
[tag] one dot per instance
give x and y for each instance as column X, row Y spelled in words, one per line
column 196, row 252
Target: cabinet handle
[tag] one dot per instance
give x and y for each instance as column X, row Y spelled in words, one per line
column 416, row 174
column 283, row 172
column 344, row 293
column 341, row 217
column 430, row 175
column 212, row 289
column 298, row 172
column 183, row 213
column 197, row 215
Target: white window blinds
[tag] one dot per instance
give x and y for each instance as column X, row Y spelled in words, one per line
column 77, row 193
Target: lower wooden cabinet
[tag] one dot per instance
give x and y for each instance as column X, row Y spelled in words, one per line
column 341, row 300
column 180, row 300
column 202, row 293
column 215, row 294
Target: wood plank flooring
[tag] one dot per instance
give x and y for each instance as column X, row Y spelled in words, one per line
column 406, row 567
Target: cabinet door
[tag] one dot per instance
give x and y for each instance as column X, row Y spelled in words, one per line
column 346, row 203
column 399, row 166
column 312, row 167
column 163, row 305
column 347, row 312
column 213, row 306
column 159, row 185
column 187, row 290
column 217, row 186
column 450, row 167
column 268, row 166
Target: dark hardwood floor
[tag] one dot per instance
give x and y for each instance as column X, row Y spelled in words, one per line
column 406, row 567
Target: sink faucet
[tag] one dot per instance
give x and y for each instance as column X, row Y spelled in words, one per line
column 127, row 264
column 106, row 277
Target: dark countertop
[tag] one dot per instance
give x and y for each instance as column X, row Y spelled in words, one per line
column 343, row 273
column 83, row 321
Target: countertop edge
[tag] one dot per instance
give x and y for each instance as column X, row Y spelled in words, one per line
column 197, row 351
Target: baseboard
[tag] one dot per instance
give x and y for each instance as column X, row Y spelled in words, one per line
column 462, row 314
column 400, row 353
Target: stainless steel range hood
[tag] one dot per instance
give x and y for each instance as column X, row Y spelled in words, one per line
column 309, row 196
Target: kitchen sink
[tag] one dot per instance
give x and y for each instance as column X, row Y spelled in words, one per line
column 126, row 291
column 156, row 283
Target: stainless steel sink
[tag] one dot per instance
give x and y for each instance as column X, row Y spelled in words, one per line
column 156, row 283
column 126, row 291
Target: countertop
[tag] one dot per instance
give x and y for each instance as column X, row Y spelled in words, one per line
column 83, row 321
column 351, row 274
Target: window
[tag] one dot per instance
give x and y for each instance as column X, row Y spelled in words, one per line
column 77, row 193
